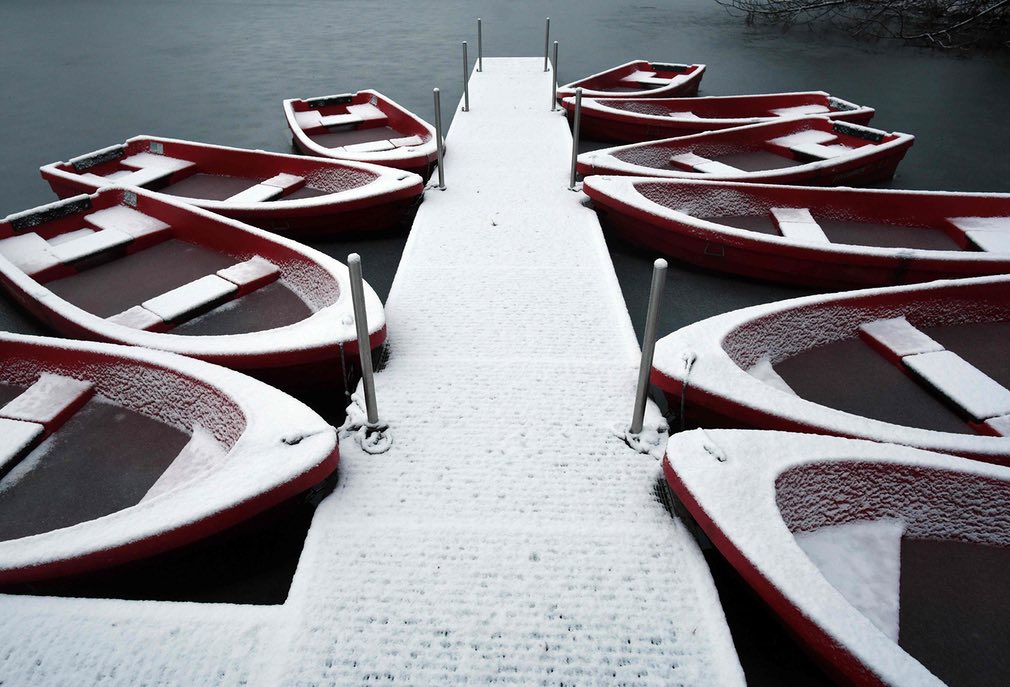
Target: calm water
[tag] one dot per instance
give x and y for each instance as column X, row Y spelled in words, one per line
column 80, row 76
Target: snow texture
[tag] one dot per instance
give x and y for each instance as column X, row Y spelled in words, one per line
column 92, row 244
column 862, row 560
column 15, row 438
column 29, row 252
column 126, row 219
column 507, row 536
column 46, row 399
column 899, row 337
column 764, row 371
column 978, row 394
column 199, row 457
column 800, row 110
column 188, row 298
column 799, row 225
column 248, row 272
column 257, row 193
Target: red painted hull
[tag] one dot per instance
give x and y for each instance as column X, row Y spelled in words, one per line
column 779, row 479
column 349, row 198
column 632, row 120
column 721, row 393
column 316, row 352
column 865, row 161
column 419, row 158
column 645, row 212
column 682, row 80
column 220, row 401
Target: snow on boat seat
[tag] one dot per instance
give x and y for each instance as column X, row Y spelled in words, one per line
column 50, row 401
column 30, row 253
column 764, row 371
column 407, row 141
column 200, row 455
column 1000, row 426
column 896, row 337
column 185, row 301
column 268, row 189
column 960, row 382
column 645, row 78
column 90, row 245
column 199, row 295
column 991, row 234
column 251, row 274
column 697, row 163
column 370, row 147
column 130, row 221
column 148, row 167
column 682, row 115
column 812, row 142
column 799, row 110
column 798, row 224
column 16, row 439
column 367, row 112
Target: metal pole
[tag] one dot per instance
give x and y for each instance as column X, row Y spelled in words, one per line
column 554, row 81
column 575, row 135
column 648, row 344
column 361, row 323
column 466, row 80
column 480, row 48
column 438, row 138
column 547, row 41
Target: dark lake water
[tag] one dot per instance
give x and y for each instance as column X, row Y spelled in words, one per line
column 81, row 76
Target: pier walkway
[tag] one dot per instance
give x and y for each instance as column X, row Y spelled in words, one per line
column 508, row 536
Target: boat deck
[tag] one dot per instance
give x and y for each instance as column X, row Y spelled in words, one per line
column 508, row 536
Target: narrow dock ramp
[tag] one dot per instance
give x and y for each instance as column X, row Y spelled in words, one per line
column 508, row 536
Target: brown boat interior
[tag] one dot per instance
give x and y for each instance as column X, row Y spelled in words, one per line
column 357, row 123
column 237, row 177
column 138, row 271
column 868, row 376
column 947, row 556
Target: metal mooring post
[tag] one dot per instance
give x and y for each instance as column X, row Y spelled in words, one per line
column 480, row 48
column 547, row 41
column 466, row 81
column 575, row 135
column 438, row 138
column 648, row 344
column 554, row 81
column 361, row 324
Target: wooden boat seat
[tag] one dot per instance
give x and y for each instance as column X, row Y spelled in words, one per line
column 896, row 337
column 799, row 110
column 798, row 224
column 17, row 438
column 822, row 145
column 644, row 78
column 975, row 393
column 961, row 383
column 30, row 253
column 991, row 234
column 50, row 401
column 695, row 163
column 89, row 245
column 269, row 189
column 148, row 168
column 682, row 115
column 144, row 228
column 370, row 147
column 191, row 299
column 407, row 141
column 356, row 114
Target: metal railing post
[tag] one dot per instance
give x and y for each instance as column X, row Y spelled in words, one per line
column 438, row 137
column 575, row 135
column 466, row 81
column 648, row 344
column 480, row 48
column 361, row 324
column 547, row 41
column 554, row 81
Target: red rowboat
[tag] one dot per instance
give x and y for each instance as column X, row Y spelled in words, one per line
column 365, row 126
column 282, row 193
column 807, row 150
column 630, row 120
column 833, row 238
column 132, row 267
column 922, row 365
column 115, row 453
column 859, row 548
column 639, row 78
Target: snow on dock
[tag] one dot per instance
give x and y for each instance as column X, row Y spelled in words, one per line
column 507, row 536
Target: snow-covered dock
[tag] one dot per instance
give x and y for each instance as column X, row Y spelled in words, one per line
column 508, row 536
